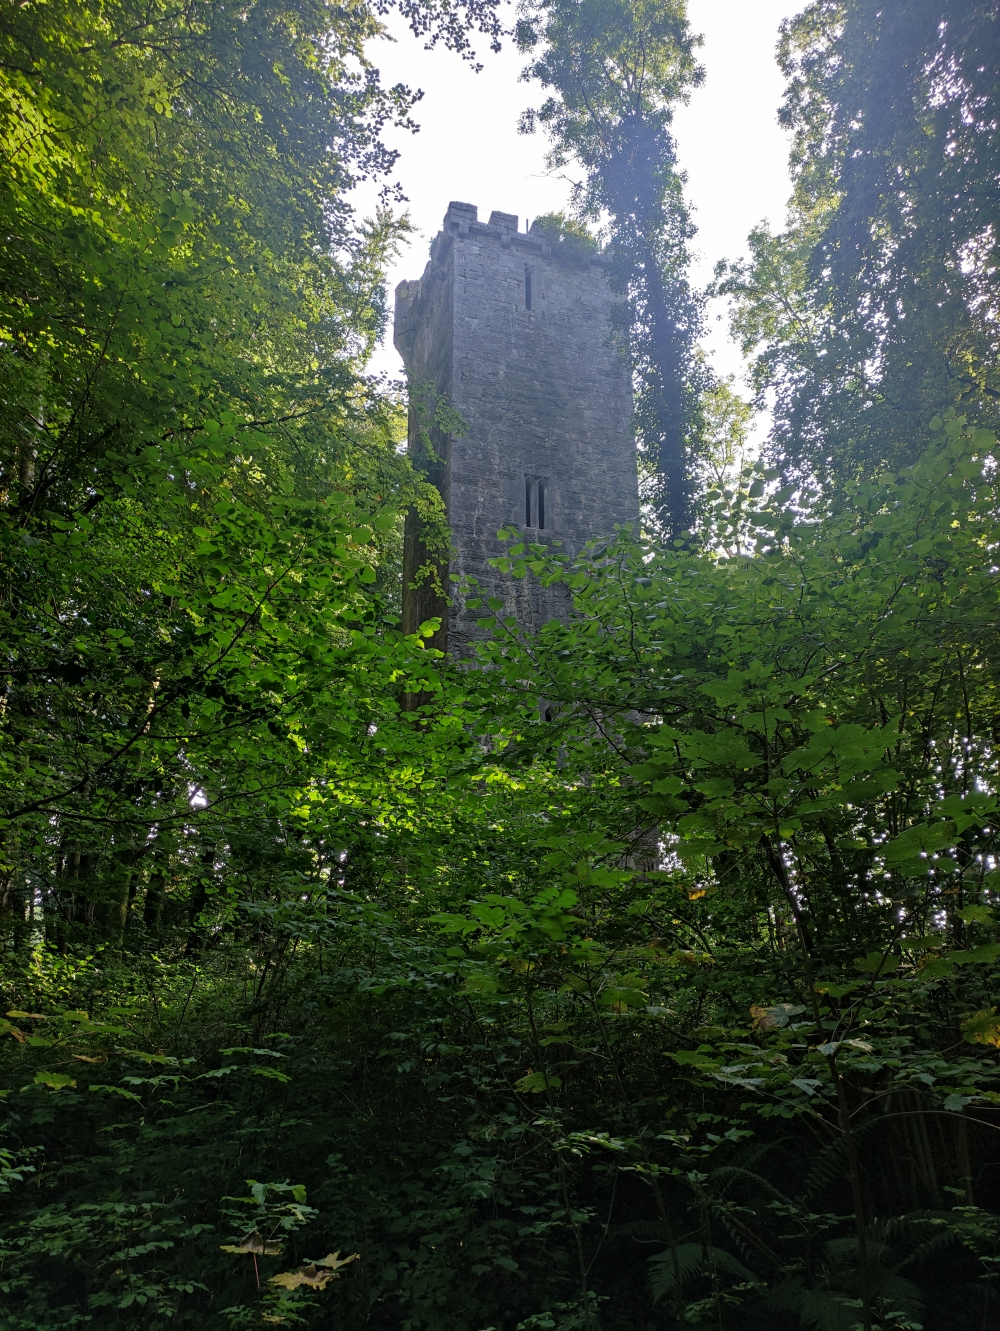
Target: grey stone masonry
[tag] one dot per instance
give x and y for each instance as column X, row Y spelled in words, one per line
column 512, row 333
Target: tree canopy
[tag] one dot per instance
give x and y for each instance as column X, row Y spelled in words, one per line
column 877, row 307
column 642, row 973
column 617, row 70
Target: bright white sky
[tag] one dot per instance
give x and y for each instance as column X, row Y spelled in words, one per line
column 468, row 148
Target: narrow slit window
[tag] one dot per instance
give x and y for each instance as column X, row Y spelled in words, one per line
column 527, row 288
column 527, row 502
column 541, row 505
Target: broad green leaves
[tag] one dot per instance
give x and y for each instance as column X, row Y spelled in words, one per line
column 283, row 894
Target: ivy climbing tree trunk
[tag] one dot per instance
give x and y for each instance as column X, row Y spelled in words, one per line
column 617, row 71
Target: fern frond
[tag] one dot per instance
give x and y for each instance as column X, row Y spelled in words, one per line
column 688, row 1261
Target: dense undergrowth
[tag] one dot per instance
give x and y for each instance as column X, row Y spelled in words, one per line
column 463, row 1027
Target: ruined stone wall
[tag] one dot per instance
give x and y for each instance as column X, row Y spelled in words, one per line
column 514, row 334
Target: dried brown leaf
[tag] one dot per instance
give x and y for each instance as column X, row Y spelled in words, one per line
column 305, row 1275
column 253, row 1243
column 334, row 1261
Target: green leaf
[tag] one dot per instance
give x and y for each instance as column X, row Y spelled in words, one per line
column 975, row 914
column 533, row 1083
column 56, row 1080
column 920, row 840
column 877, row 963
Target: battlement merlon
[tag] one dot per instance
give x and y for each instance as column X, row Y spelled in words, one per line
column 405, row 319
column 462, row 220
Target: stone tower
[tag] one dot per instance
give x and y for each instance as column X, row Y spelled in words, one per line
column 511, row 332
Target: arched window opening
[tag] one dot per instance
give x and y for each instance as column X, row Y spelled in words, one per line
column 527, row 288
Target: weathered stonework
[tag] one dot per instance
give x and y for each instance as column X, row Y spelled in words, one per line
column 513, row 334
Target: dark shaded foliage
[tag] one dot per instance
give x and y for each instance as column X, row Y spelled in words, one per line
column 878, row 307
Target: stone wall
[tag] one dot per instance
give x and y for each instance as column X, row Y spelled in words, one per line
column 513, row 333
